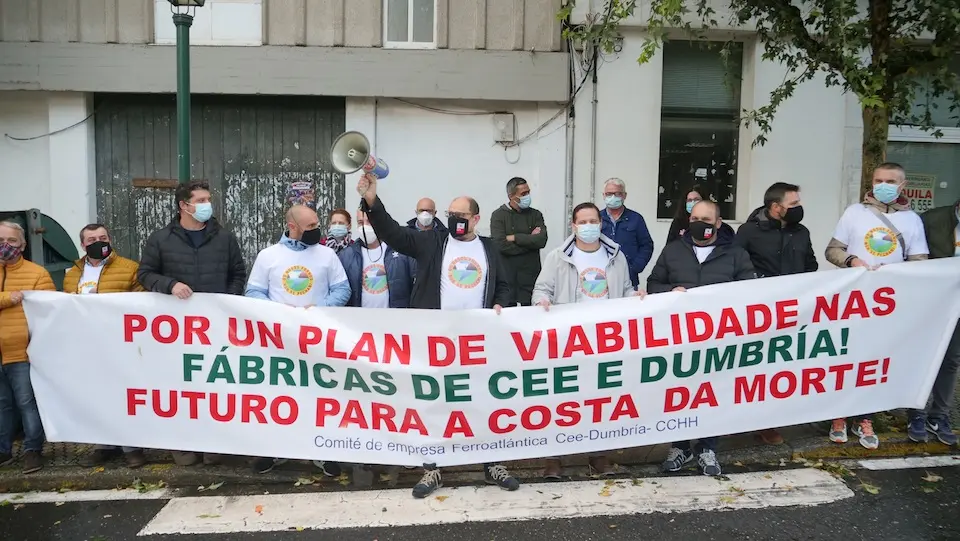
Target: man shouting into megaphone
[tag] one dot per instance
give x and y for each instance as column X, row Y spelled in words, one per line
column 456, row 270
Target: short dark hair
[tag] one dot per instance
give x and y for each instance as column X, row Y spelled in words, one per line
column 716, row 207
column 681, row 212
column 892, row 166
column 582, row 206
column 474, row 206
column 185, row 191
column 776, row 192
column 514, row 184
column 93, row 227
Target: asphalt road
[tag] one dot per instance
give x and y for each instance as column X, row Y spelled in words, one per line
column 905, row 508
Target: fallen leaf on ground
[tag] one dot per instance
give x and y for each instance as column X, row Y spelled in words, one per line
column 737, row 491
column 605, row 491
column 98, row 470
column 213, row 486
column 300, row 528
column 57, row 522
column 738, row 463
column 932, row 478
column 18, row 506
column 344, row 479
column 727, row 500
column 58, row 504
column 557, row 496
column 208, row 516
column 385, row 477
column 636, row 482
column 303, row 481
column 768, row 476
column 107, row 516
column 17, row 497
column 258, row 509
column 442, row 498
column 870, row 488
column 610, row 483
column 928, row 490
column 613, row 526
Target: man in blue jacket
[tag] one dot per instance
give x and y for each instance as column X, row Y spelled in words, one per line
column 379, row 276
column 627, row 228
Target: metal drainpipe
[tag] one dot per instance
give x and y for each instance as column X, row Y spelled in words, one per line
column 571, row 134
column 593, row 127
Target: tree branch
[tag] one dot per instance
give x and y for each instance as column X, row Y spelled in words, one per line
column 791, row 19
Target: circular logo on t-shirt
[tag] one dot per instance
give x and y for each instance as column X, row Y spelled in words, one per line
column 87, row 287
column 374, row 279
column 464, row 272
column 880, row 241
column 593, row 282
column 297, row 280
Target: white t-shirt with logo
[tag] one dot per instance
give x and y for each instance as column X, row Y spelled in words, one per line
column 592, row 270
column 90, row 279
column 375, row 292
column 868, row 238
column 464, row 275
column 703, row 252
column 297, row 278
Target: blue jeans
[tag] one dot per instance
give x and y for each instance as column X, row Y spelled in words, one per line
column 16, row 393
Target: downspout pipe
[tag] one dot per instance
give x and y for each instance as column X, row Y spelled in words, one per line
column 571, row 134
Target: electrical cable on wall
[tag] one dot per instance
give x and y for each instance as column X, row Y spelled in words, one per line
column 55, row 132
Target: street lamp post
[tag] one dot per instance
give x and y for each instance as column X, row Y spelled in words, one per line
column 183, row 11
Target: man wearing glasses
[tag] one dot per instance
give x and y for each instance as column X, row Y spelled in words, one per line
column 626, row 227
column 426, row 218
column 456, row 270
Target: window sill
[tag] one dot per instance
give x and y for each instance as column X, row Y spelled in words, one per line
column 420, row 45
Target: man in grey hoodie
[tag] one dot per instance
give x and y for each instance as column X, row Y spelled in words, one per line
column 588, row 266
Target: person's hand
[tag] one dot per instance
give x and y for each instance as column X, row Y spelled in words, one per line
column 857, row 262
column 367, row 188
column 16, row 297
column 511, row 238
column 309, row 306
column 544, row 303
column 640, row 293
column 536, row 231
column 680, row 288
column 682, row 231
column 497, row 308
column 181, row 290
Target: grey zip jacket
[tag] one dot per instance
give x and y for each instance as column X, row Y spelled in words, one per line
column 558, row 280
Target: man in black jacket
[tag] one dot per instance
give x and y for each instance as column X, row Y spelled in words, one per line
column 701, row 257
column 520, row 232
column 778, row 245
column 458, row 270
column 192, row 254
column 777, row 242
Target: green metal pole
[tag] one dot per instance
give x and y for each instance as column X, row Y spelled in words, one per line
column 183, row 23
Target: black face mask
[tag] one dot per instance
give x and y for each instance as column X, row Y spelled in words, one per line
column 99, row 250
column 702, row 231
column 794, row 215
column 458, row 226
column 312, row 236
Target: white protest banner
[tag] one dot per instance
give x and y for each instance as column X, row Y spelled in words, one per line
column 241, row 376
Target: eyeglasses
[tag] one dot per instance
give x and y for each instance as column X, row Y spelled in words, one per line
column 431, row 211
column 449, row 214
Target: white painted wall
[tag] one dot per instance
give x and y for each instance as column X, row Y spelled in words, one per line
column 443, row 156
column 812, row 142
column 55, row 173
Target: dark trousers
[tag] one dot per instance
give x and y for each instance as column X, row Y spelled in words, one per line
column 946, row 382
column 703, row 444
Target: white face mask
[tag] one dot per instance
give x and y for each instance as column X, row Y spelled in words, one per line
column 367, row 234
column 425, row 219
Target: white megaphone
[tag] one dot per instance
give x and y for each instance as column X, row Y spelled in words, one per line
column 351, row 153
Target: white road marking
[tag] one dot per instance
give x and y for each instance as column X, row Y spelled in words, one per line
column 373, row 508
column 85, row 496
column 908, row 463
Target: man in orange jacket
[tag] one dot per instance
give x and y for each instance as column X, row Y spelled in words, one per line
column 16, row 276
column 102, row 270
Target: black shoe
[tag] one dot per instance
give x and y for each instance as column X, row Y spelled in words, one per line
column 98, row 457
column 496, row 474
column 676, row 459
column 429, row 483
column 264, row 465
column 330, row 469
column 6, row 459
column 32, row 462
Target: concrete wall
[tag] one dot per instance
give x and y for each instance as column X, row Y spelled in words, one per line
column 459, row 24
column 813, row 141
column 443, row 156
column 54, row 173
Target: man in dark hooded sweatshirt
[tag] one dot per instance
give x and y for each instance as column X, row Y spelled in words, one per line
column 701, row 257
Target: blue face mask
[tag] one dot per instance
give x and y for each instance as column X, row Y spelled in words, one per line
column 690, row 205
column 525, row 201
column 588, row 233
column 613, row 201
column 886, row 193
column 204, row 212
column 338, row 231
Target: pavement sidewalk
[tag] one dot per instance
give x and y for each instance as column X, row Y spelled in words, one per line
column 737, row 452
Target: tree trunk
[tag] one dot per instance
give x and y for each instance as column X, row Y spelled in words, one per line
column 876, row 125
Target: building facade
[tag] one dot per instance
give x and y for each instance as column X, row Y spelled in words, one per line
column 457, row 95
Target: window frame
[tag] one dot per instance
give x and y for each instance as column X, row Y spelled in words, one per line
column 422, row 45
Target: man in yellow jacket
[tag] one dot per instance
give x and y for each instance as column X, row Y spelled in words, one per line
column 103, row 271
column 16, row 276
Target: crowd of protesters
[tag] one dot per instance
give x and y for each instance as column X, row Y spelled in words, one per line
column 429, row 263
